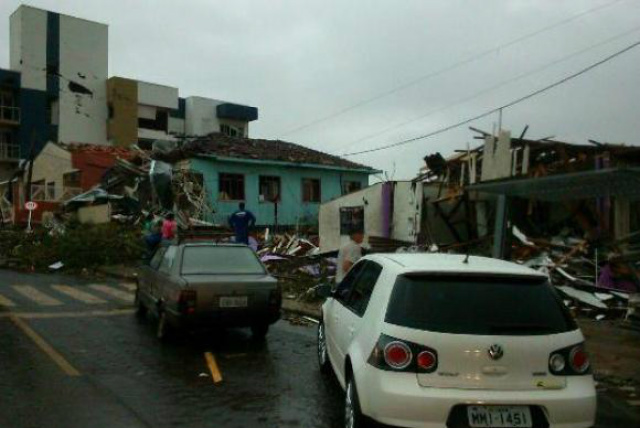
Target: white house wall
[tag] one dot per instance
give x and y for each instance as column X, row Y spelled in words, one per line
column 329, row 217
column 83, row 59
column 28, row 51
column 407, row 206
column 151, row 94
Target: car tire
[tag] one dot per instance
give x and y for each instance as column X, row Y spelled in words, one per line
column 353, row 417
column 141, row 309
column 323, row 356
column 259, row 331
column 163, row 330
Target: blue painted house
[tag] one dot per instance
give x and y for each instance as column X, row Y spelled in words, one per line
column 281, row 183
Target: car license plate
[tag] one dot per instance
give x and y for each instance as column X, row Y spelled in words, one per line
column 499, row 416
column 234, row 302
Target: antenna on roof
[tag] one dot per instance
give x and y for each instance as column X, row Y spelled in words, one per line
column 466, row 257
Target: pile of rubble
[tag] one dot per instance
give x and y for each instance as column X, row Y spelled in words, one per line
column 596, row 279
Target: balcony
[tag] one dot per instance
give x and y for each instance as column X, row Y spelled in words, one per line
column 9, row 115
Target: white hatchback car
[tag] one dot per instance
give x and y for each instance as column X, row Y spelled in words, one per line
column 431, row 340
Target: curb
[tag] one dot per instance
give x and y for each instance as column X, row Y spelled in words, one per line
column 300, row 308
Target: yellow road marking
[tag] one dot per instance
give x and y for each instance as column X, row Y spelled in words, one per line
column 6, row 302
column 78, row 314
column 36, row 295
column 130, row 286
column 213, row 367
column 77, row 294
column 57, row 358
column 118, row 294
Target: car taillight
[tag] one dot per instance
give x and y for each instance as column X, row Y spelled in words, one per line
column 187, row 301
column 397, row 355
column 579, row 360
column 400, row 355
column 426, row 360
column 570, row 361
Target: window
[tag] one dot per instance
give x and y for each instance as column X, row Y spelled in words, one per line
column 52, row 111
column 362, row 289
column 269, row 189
column 231, row 187
column 232, row 131
column 311, row 190
column 478, row 305
column 71, row 179
column 344, row 288
column 51, row 191
column 38, row 191
column 351, row 219
column 153, row 118
column 167, row 260
column 210, row 260
column 350, row 186
column 9, row 148
column 157, row 258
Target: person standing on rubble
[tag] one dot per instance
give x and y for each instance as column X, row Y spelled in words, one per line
column 241, row 222
column 169, row 227
column 349, row 254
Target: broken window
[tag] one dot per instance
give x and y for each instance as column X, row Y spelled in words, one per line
column 351, row 219
column 311, row 190
column 72, row 179
column 38, row 191
column 153, row 118
column 231, row 187
column 350, row 186
column 232, row 131
column 9, row 148
column 269, row 188
column 51, row 191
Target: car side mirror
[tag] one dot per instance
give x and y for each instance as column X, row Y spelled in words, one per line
column 324, row 291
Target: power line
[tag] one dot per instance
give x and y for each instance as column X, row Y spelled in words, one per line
column 496, row 86
column 448, row 68
column 504, row 106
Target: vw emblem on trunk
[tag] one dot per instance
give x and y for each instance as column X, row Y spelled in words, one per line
column 495, row 352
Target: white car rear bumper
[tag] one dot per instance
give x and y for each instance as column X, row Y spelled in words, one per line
column 396, row 399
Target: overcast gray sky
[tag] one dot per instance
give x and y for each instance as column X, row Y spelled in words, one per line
column 299, row 61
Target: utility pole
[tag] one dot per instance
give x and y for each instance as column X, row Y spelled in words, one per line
column 32, row 155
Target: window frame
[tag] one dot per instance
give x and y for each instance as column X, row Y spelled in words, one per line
column 160, row 254
column 348, row 183
column 310, row 199
column 220, row 189
column 276, row 178
column 342, row 294
column 169, row 254
column 353, row 306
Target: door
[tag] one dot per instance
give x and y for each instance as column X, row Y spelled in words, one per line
column 162, row 285
column 354, row 306
column 148, row 276
column 332, row 319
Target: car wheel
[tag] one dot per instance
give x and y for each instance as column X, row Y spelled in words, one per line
column 259, row 331
column 323, row 356
column 353, row 418
column 141, row 309
column 163, row 331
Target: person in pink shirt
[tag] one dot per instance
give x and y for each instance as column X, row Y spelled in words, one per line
column 169, row 226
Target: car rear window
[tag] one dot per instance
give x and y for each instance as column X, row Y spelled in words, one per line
column 210, row 260
column 478, row 305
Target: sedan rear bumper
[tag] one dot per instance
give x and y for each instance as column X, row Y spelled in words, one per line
column 230, row 318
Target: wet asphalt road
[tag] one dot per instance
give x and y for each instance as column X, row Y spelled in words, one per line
column 120, row 376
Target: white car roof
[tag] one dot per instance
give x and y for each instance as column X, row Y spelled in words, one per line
column 451, row 263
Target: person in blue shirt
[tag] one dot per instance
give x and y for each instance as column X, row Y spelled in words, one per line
column 241, row 222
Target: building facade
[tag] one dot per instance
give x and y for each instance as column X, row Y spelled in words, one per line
column 57, row 89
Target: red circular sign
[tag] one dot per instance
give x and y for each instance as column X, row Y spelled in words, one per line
column 30, row 205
